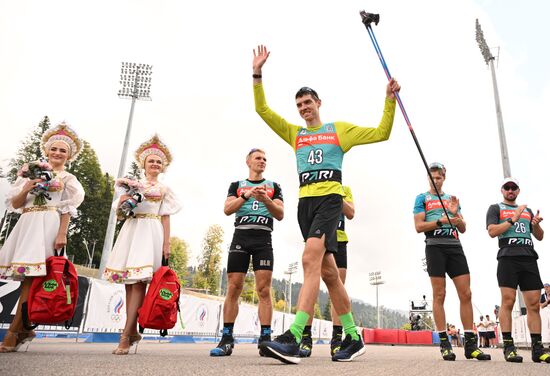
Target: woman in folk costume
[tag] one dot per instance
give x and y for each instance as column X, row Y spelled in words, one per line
column 46, row 208
column 144, row 238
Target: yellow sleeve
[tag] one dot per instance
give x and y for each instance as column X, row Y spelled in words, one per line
column 348, row 196
column 351, row 135
column 284, row 129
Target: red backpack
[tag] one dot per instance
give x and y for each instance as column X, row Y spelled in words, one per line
column 161, row 304
column 53, row 297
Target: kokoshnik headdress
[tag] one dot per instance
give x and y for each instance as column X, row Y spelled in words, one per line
column 62, row 132
column 153, row 146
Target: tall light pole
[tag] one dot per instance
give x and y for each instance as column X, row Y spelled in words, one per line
column 135, row 81
column 292, row 268
column 489, row 59
column 375, row 279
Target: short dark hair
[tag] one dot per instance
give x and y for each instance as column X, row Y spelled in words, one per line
column 438, row 167
column 305, row 91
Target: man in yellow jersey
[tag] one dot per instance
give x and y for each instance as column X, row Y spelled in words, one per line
column 341, row 258
column 319, row 149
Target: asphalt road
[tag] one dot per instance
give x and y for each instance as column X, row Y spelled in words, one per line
column 65, row 357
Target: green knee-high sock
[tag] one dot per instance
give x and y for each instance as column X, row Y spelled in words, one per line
column 297, row 327
column 349, row 325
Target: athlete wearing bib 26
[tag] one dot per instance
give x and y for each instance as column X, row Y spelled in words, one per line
column 255, row 202
column 319, row 149
column 517, row 266
column 444, row 255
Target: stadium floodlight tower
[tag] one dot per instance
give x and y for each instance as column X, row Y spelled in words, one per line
column 375, row 279
column 135, row 81
column 292, row 268
column 489, row 60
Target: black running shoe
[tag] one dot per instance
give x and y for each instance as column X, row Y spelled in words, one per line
column 225, row 347
column 511, row 354
column 335, row 344
column 447, row 350
column 471, row 351
column 349, row 350
column 266, row 338
column 539, row 354
column 283, row 348
column 306, row 346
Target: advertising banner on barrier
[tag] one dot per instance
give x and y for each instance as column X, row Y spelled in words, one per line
column 545, row 318
column 9, row 294
column 520, row 330
column 200, row 316
column 277, row 322
column 106, row 307
column 247, row 323
column 325, row 329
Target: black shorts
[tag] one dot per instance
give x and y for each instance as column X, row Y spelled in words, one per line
column 482, row 334
column 490, row 334
column 341, row 256
column 446, row 259
column 319, row 216
column 522, row 271
column 247, row 244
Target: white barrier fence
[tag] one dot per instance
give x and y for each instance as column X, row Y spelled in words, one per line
column 520, row 330
column 105, row 312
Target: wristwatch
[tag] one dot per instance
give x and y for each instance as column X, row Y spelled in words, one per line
column 510, row 221
column 439, row 223
column 243, row 196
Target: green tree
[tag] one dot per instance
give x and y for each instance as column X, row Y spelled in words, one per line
column 327, row 313
column 135, row 171
column 87, row 231
column 29, row 150
column 317, row 311
column 179, row 256
column 208, row 271
column 249, row 290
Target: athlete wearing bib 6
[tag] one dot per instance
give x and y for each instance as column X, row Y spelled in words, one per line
column 319, row 149
column 444, row 255
column 255, row 202
column 517, row 267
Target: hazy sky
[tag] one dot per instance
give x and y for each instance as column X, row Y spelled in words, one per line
column 62, row 59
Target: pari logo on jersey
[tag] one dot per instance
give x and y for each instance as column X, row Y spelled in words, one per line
column 317, row 175
column 446, row 232
column 520, row 241
column 259, row 219
column 201, row 315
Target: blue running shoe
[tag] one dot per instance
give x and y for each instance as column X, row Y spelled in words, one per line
column 283, row 348
column 225, row 347
column 349, row 349
column 262, row 339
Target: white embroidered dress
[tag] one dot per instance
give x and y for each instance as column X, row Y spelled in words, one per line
column 32, row 239
column 137, row 252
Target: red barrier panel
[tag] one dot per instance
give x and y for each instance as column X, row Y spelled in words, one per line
column 422, row 337
column 402, row 337
column 368, row 335
column 386, row 336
